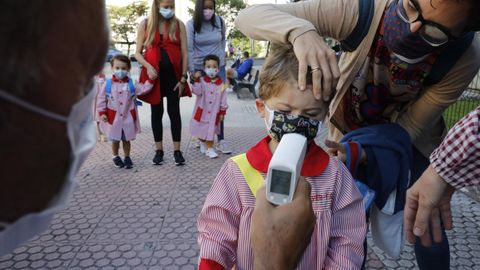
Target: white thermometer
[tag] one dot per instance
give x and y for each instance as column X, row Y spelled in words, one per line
column 284, row 168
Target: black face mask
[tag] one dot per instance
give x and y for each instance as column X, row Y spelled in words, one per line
column 282, row 123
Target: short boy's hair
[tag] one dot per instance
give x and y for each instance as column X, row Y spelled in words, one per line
column 122, row 58
column 280, row 66
column 246, row 54
column 211, row 57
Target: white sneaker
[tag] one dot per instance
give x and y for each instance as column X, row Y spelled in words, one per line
column 197, row 144
column 203, row 147
column 229, row 90
column 223, row 147
column 211, row 153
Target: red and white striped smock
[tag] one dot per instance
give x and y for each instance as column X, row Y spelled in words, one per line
column 337, row 240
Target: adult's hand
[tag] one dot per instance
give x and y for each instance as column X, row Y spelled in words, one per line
column 152, row 73
column 312, row 51
column 427, row 205
column 280, row 234
column 180, row 87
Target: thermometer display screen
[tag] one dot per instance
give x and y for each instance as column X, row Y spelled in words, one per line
column 280, row 182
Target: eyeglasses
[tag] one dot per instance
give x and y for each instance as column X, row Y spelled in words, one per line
column 432, row 33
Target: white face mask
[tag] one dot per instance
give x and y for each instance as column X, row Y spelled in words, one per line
column 81, row 134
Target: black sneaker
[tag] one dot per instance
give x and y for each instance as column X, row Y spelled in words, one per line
column 118, row 162
column 158, row 159
column 179, row 160
column 128, row 163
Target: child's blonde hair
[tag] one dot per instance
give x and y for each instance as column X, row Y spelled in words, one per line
column 280, row 67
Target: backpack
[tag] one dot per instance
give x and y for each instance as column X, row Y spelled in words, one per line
column 131, row 89
column 443, row 63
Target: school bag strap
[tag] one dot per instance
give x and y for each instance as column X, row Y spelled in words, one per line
column 253, row 177
column 366, row 10
column 131, row 87
column 108, row 87
column 448, row 57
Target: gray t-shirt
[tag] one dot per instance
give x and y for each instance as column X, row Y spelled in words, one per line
column 210, row 40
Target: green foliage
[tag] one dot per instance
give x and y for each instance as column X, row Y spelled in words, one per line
column 124, row 21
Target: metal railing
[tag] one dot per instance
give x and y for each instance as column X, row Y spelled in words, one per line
column 469, row 100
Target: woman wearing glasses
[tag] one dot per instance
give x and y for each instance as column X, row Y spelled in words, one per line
column 405, row 62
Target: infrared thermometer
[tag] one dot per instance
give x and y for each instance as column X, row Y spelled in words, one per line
column 285, row 167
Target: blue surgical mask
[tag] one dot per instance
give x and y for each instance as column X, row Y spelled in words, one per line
column 120, row 74
column 211, row 72
column 166, row 13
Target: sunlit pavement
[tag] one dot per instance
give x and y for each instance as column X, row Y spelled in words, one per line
column 145, row 218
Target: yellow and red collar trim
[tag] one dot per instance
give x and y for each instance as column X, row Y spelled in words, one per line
column 316, row 160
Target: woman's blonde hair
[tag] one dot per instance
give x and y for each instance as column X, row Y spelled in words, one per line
column 153, row 21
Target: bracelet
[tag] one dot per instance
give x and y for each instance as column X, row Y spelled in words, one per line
column 182, row 82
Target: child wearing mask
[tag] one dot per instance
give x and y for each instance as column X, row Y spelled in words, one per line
column 224, row 222
column 210, row 106
column 116, row 105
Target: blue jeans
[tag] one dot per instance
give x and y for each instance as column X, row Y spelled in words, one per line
column 436, row 256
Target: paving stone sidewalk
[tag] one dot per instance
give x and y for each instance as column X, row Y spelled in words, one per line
column 145, row 218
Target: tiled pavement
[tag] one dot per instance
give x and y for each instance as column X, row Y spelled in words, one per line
column 145, row 218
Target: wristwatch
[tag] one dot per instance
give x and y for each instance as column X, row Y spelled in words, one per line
column 185, row 76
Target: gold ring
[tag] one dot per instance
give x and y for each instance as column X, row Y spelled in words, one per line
column 314, row 69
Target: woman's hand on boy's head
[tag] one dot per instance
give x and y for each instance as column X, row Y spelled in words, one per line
column 313, row 52
column 197, row 75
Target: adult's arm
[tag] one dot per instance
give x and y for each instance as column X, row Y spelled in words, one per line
column 303, row 24
column 426, row 111
column 457, row 159
column 191, row 41
column 454, row 164
column 184, row 47
column 224, row 38
column 285, row 23
column 141, row 37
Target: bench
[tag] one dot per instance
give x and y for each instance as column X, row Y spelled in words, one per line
column 250, row 82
